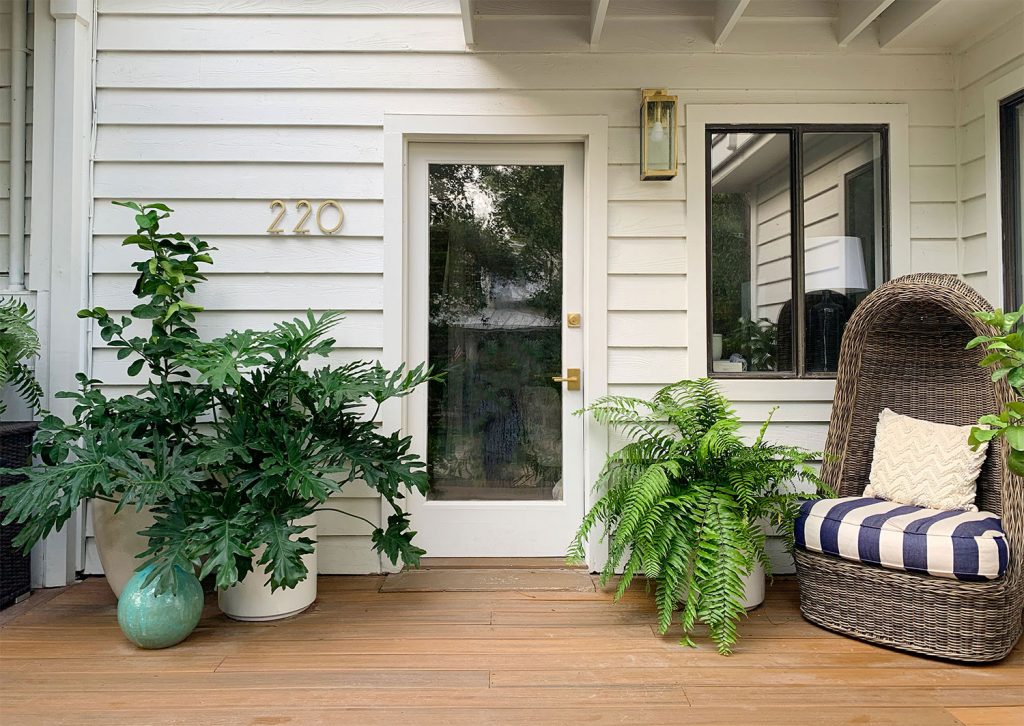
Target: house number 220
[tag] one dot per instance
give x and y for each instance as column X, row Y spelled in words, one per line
column 305, row 210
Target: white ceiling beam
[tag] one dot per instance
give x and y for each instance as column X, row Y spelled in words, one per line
column 727, row 14
column 467, row 22
column 598, row 12
column 855, row 16
column 903, row 17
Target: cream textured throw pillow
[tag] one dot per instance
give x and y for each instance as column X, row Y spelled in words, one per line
column 924, row 464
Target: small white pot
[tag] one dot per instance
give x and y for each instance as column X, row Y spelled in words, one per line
column 252, row 600
column 716, row 346
column 753, row 588
column 118, row 541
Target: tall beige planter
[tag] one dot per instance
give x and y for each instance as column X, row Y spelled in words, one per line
column 118, row 541
column 251, row 599
column 753, row 587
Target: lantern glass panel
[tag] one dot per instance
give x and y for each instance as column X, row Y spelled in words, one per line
column 659, row 136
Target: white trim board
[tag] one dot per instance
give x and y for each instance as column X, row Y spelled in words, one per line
column 399, row 131
column 698, row 117
column 995, row 91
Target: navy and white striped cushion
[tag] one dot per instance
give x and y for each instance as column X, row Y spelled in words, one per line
column 955, row 544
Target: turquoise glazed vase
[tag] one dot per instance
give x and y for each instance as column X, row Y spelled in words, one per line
column 159, row 621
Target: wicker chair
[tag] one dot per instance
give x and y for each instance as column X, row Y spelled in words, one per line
column 904, row 348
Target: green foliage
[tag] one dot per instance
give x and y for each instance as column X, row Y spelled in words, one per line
column 285, row 439
column 730, row 259
column 230, row 441
column 756, row 341
column 685, row 500
column 1005, row 353
column 18, row 341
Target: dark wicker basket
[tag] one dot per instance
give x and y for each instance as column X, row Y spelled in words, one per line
column 904, row 349
column 15, row 451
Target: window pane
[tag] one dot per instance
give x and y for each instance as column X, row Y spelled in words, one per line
column 495, row 422
column 843, row 236
column 1018, row 201
column 751, row 261
column 1011, row 134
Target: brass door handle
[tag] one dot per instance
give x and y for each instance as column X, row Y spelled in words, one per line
column 571, row 378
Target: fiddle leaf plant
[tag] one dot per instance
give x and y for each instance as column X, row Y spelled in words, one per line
column 1005, row 353
column 136, row 450
column 685, row 500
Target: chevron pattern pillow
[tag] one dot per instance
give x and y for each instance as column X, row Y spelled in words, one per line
column 924, row 464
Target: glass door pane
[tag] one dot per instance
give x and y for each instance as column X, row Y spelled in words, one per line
column 494, row 425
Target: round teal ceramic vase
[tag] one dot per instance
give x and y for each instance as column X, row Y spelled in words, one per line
column 159, row 621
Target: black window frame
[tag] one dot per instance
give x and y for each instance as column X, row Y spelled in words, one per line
column 1010, row 192
column 795, row 132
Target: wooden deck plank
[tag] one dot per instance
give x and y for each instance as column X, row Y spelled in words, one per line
column 499, row 657
column 638, row 714
column 990, row 715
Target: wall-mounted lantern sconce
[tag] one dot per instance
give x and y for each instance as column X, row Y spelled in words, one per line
column 658, row 153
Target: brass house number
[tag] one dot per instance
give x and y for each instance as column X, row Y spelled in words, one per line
column 305, row 210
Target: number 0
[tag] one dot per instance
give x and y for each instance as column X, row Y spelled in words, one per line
column 320, row 214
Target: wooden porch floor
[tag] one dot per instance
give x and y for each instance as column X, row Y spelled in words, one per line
column 363, row 656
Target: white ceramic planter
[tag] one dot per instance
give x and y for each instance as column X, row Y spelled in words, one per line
column 251, row 599
column 118, row 541
column 753, row 588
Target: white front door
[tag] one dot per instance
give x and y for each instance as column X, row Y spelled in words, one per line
column 495, row 234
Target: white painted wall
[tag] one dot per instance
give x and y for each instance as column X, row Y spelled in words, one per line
column 218, row 112
column 5, row 136
column 989, row 69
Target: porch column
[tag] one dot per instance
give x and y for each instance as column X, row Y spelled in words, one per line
column 60, row 234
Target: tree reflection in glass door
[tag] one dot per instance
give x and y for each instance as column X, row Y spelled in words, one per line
column 495, row 422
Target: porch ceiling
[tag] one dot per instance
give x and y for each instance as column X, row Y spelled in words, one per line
column 737, row 26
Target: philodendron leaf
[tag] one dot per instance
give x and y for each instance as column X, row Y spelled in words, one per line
column 228, row 538
column 396, row 541
column 282, row 558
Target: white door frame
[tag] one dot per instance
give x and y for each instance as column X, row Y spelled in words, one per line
column 399, row 131
column 508, row 527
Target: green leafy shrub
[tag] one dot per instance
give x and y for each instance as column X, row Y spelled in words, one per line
column 1005, row 351
column 229, row 441
column 685, row 503
column 18, row 341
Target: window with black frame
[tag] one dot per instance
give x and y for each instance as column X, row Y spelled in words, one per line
column 1011, row 142
column 797, row 234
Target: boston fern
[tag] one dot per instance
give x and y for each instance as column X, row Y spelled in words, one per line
column 18, row 341
column 229, row 441
column 686, row 501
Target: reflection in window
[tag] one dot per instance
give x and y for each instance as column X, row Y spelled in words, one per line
column 772, row 271
column 842, row 187
column 751, row 250
column 495, row 422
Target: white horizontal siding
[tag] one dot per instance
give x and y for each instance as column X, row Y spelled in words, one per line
column 218, row 107
column 985, row 61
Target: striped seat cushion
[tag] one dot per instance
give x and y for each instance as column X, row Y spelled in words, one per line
column 955, row 544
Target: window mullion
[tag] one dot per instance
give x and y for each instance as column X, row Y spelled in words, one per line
column 796, row 236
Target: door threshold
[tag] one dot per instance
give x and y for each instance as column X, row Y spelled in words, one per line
column 497, row 563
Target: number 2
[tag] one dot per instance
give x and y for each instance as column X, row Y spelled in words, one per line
column 300, row 227
column 274, row 228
